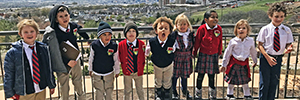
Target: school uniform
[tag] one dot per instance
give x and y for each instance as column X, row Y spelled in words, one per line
column 135, row 72
column 237, row 62
column 183, row 56
column 209, row 41
column 104, row 63
column 270, row 75
column 24, row 76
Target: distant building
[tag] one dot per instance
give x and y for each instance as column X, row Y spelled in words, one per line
column 180, row 1
column 163, row 3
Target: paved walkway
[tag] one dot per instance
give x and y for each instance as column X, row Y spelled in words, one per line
column 151, row 83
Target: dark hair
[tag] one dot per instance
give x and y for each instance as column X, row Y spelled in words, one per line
column 277, row 7
column 207, row 14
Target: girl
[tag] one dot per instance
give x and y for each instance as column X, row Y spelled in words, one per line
column 236, row 61
column 183, row 55
column 209, row 39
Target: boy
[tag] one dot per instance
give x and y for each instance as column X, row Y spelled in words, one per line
column 27, row 67
column 104, row 62
column 273, row 39
column 132, row 57
column 162, row 48
column 61, row 30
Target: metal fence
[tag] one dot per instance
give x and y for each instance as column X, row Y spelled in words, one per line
column 290, row 70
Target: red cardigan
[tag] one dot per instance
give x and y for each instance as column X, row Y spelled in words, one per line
column 235, row 61
column 140, row 57
column 207, row 41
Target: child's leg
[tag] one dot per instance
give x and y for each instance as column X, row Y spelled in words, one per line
column 127, row 86
column 174, row 83
column 40, row 95
column 139, row 86
column 158, row 77
column 264, row 80
column 77, row 80
column 184, row 83
column 230, row 89
column 211, row 79
column 167, row 81
column 99, row 87
column 109, row 86
column 199, row 81
column 246, row 90
column 64, row 88
column 274, row 79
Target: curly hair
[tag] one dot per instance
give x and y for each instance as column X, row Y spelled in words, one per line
column 239, row 23
column 29, row 22
column 277, row 7
column 163, row 19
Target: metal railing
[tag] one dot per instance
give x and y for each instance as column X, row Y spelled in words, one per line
column 226, row 38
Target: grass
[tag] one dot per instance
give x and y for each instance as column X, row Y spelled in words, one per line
column 257, row 5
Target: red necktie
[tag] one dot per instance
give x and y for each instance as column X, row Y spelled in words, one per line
column 35, row 67
column 68, row 30
column 130, row 59
column 161, row 43
column 276, row 44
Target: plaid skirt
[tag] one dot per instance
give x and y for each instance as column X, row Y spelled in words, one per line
column 182, row 64
column 207, row 64
column 238, row 75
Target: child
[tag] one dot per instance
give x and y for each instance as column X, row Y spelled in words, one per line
column 162, row 47
column 61, row 30
column 27, row 68
column 209, row 39
column 273, row 39
column 183, row 56
column 236, row 61
column 132, row 57
column 104, row 62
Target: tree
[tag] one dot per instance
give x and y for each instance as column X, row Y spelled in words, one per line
column 45, row 11
column 119, row 18
column 158, row 15
column 91, row 23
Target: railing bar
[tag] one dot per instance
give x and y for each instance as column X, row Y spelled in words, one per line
column 2, row 73
column 82, row 58
column 194, row 78
column 92, row 81
column 296, row 66
column 287, row 74
column 147, row 75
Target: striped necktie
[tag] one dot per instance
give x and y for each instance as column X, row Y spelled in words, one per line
column 130, row 64
column 35, row 67
column 276, row 44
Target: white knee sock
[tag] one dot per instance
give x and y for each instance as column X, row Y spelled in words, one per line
column 246, row 90
column 230, row 89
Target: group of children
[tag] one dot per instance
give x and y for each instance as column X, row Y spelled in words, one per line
column 29, row 64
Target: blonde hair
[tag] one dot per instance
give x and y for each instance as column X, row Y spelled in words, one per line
column 242, row 22
column 181, row 18
column 163, row 19
column 29, row 22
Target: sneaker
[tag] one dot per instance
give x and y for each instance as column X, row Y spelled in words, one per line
column 167, row 94
column 198, row 94
column 186, row 94
column 248, row 98
column 158, row 93
column 230, row 97
column 212, row 94
column 175, row 95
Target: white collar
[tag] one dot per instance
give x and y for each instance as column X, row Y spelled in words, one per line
column 185, row 33
column 239, row 39
column 133, row 43
column 159, row 41
column 208, row 28
column 273, row 27
column 103, row 43
column 27, row 45
column 62, row 28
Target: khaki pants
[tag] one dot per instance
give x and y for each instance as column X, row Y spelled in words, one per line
column 163, row 76
column 138, row 80
column 63, row 79
column 35, row 96
column 104, row 86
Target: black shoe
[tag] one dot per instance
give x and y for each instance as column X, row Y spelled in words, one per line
column 158, row 93
column 175, row 95
column 167, row 94
column 186, row 94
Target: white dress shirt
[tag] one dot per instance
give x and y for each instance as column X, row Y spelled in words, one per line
column 28, row 52
column 240, row 50
column 116, row 60
column 133, row 43
column 266, row 36
column 63, row 29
